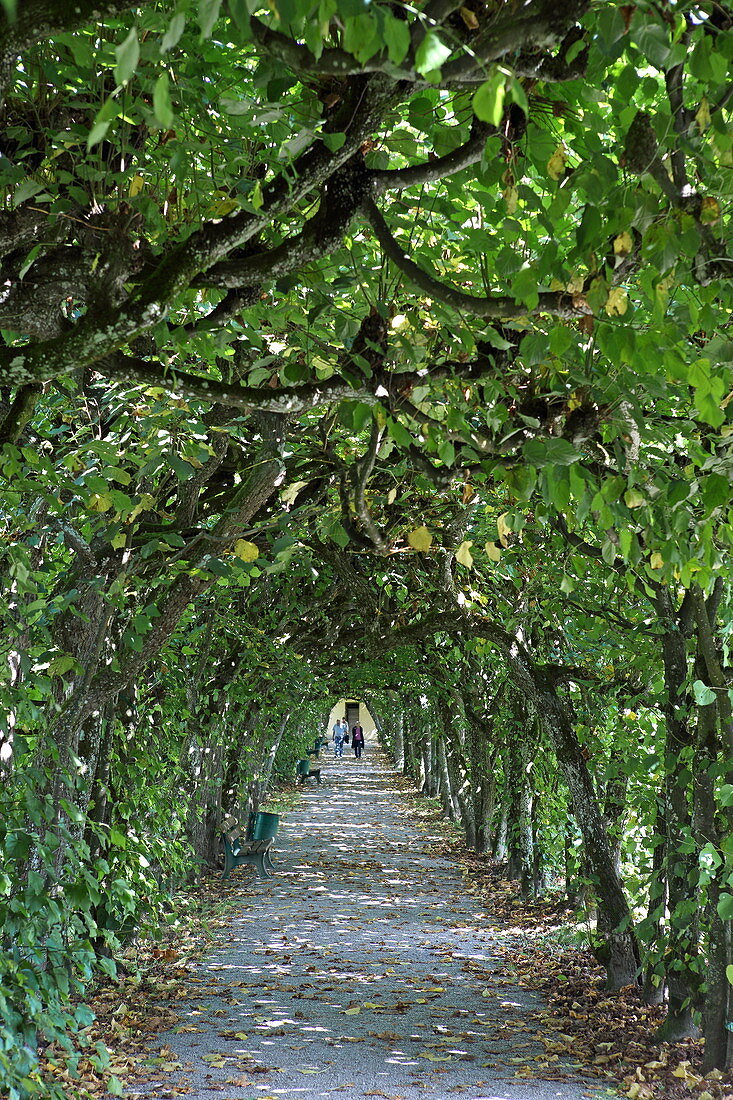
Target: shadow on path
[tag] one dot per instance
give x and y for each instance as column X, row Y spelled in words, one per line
column 361, row 969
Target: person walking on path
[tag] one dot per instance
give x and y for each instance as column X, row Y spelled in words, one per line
column 339, row 731
column 357, row 740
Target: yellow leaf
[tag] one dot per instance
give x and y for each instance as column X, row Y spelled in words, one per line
column 556, row 163
column 709, row 210
column 637, row 1091
column 511, row 198
column 100, row 502
column 119, row 541
column 352, row 1011
column 420, row 539
column 290, row 492
column 246, row 551
column 145, row 503
column 617, row 302
column 576, row 284
column 634, row 499
column 492, row 551
column 136, row 186
column 656, row 561
column 221, row 209
column 623, row 244
column 503, row 529
column 391, row 496
column 702, row 117
column 463, row 554
column 469, row 18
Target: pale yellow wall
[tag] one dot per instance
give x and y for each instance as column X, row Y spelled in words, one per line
column 339, row 711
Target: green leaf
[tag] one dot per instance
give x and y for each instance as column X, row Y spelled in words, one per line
column 332, row 142
column 162, row 107
column 18, row 844
column 36, row 882
column 396, row 34
column 431, row 53
column 488, row 101
column 109, row 111
column 361, row 36
column 61, row 665
column 447, row 453
column 208, row 14
column 725, row 907
column 399, row 433
column 726, row 795
column 339, row 535
column 362, row 415
column 524, row 286
column 729, row 973
column 518, row 94
column 716, row 491
column 184, row 470
column 114, row 1087
column 172, row 36
column 547, row 452
column 128, row 55
column 704, row 695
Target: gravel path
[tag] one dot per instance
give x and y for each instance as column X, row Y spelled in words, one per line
column 361, row 969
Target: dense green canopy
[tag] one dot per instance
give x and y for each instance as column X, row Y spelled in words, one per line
column 367, row 349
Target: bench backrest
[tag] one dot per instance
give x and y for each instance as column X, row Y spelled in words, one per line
column 230, row 827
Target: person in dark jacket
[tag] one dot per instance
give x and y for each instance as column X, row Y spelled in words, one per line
column 357, row 740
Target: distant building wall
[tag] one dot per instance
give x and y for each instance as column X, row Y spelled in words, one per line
column 339, row 711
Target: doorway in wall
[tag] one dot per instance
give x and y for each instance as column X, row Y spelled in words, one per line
column 352, row 714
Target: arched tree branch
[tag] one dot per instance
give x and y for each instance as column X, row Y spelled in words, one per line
column 496, row 307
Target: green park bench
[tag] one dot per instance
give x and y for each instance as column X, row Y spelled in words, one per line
column 305, row 771
column 254, row 847
column 317, row 746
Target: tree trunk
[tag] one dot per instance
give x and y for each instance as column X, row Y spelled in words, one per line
column 269, row 762
column 712, row 824
column 429, row 763
column 499, row 847
column 398, row 729
column 458, row 771
column 483, row 752
column 614, row 805
column 451, row 807
column 656, row 908
column 617, row 949
column 681, row 862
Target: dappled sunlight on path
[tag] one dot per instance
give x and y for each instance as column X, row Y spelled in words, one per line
column 360, row 969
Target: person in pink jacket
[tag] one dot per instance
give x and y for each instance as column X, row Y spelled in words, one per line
column 357, row 740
